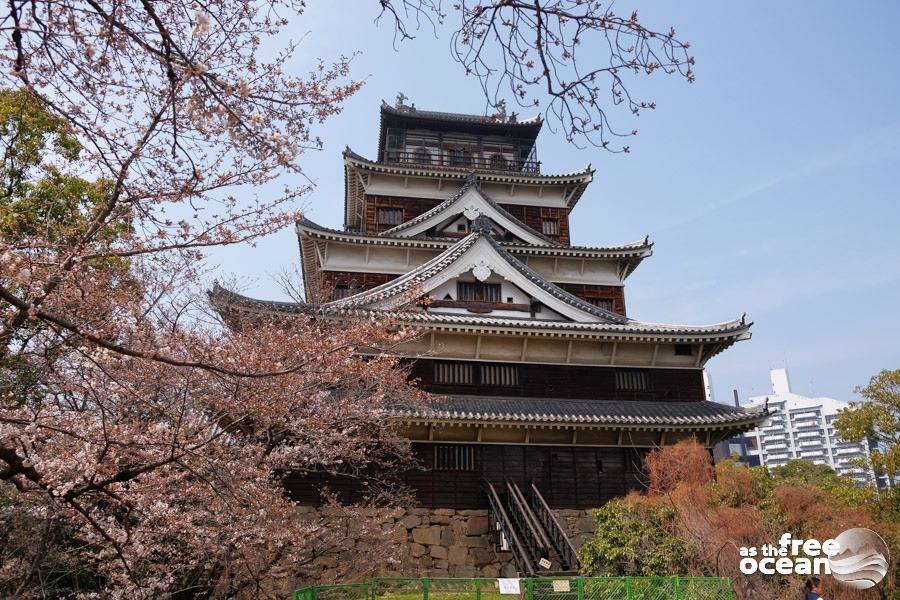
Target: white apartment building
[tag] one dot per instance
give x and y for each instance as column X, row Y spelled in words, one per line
column 803, row 427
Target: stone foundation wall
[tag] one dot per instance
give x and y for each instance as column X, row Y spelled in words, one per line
column 437, row 542
column 445, row 542
column 579, row 525
column 414, row 542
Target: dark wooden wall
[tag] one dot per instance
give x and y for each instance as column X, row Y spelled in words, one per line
column 616, row 293
column 412, row 207
column 534, row 215
column 568, row 477
column 358, row 281
column 566, row 381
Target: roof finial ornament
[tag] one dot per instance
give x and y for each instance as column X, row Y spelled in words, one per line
column 401, row 100
column 514, row 117
column 472, row 178
column 482, row 224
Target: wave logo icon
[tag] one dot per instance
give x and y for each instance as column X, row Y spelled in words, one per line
column 862, row 561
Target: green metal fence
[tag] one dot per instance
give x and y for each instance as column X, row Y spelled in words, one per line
column 537, row 588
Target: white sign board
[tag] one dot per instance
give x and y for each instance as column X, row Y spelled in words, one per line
column 508, row 586
column 545, row 563
column 561, row 585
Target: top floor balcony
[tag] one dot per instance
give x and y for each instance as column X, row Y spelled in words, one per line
column 456, row 151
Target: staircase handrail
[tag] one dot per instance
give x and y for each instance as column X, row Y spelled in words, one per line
column 520, row 553
column 560, row 539
column 534, row 523
column 519, row 518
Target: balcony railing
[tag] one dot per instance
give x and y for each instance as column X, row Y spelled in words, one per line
column 459, row 160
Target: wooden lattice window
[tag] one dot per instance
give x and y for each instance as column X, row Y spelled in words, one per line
column 475, row 291
column 631, row 380
column 498, row 162
column 461, row 157
column 455, row 458
column 500, row 375
column 550, row 226
column 453, row 372
column 389, row 216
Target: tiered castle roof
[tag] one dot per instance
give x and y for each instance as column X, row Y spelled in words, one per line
column 467, row 235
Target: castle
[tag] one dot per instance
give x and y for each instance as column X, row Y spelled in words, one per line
column 551, row 394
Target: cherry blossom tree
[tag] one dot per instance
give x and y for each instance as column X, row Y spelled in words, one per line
column 141, row 440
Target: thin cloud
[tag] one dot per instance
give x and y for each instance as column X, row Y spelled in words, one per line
column 872, row 147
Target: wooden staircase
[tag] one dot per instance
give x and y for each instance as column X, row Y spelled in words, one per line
column 525, row 525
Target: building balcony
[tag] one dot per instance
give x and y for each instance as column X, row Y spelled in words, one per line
column 808, row 425
column 856, row 450
column 811, row 454
column 805, row 414
column 465, row 160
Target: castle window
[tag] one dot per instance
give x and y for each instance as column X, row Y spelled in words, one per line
column 498, row 162
column 422, row 156
column 500, row 375
column 604, row 303
column 550, row 226
column 461, row 157
column 684, row 350
column 389, row 216
column 454, row 458
column 475, row 291
column 453, row 372
column 394, row 139
column 631, row 380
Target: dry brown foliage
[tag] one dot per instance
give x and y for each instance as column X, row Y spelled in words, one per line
column 686, row 462
column 720, row 509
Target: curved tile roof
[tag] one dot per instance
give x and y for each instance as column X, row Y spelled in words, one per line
column 409, row 111
column 471, row 184
column 583, row 176
column 437, row 264
column 224, row 299
column 592, row 412
column 639, row 248
column 553, row 289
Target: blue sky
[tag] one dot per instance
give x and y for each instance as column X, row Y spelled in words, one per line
column 768, row 186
